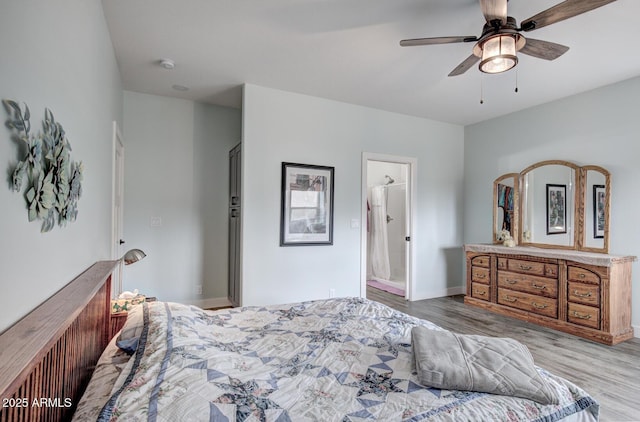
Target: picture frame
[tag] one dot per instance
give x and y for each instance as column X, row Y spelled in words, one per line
column 556, row 209
column 599, row 204
column 306, row 217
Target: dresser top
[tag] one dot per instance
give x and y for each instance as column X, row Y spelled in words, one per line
column 591, row 258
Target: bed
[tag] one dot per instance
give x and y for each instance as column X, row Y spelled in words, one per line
column 346, row 359
column 47, row 358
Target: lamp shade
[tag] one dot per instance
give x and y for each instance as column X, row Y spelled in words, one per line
column 132, row 256
column 498, row 54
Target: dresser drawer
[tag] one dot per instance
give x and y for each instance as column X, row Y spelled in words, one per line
column 481, row 261
column 588, row 294
column 551, row 270
column 531, row 267
column 480, row 275
column 528, row 302
column 480, row 291
column 582, row 275
column 584, row 315
column 528, row 283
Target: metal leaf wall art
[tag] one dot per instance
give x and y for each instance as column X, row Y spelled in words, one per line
column 52, row 181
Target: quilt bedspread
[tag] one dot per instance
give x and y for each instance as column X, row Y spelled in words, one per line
column 329, row 360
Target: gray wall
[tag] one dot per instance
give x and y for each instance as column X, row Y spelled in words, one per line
column 598, row 127
column 281, row 126
column 56, row 54
column 176, row 168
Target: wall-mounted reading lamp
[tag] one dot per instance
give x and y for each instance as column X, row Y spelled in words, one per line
column 130, row 257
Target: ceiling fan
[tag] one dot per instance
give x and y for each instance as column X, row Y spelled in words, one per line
column 500, row 40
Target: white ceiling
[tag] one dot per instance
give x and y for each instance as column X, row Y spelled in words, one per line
column 347, row 50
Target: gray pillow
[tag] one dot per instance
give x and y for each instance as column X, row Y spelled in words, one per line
column 502, row 366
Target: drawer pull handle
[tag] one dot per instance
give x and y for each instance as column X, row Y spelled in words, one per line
column 510, row 299
column 538, row 306
column 577, row 293
column 536, row 286
column 481, row 276
column 525, row 267
column 577, row 315
column 479, row 293
column 582, row 275
column 512, row 281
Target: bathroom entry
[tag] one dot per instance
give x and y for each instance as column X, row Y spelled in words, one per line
column 388, row 226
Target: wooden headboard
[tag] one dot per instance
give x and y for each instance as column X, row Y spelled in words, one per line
column 47, row 358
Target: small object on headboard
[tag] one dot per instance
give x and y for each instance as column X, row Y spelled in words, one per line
column 53, row 180
column 125, row 304
column 128, row 295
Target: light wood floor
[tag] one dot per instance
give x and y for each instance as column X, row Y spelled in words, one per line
column 611, row 374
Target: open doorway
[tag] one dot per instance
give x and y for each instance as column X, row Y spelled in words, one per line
column 386, row 239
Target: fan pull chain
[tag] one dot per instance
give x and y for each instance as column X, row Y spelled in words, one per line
column 516, row 80
column 481, row 89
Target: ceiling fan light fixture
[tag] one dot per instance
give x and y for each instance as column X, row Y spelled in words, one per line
column 498, row 53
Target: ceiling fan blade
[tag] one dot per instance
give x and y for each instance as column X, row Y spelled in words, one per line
column 543, row 49
column 465, row 65
column 494, row 9
column 561, row 11
column 437, row 40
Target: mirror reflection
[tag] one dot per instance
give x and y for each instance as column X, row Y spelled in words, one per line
column 505, row 194
column 553, row 204
column 596, row 209
column 549, row 204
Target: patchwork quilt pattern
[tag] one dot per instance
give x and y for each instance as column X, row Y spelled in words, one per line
column 329, row 360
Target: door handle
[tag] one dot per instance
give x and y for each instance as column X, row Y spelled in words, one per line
column 121, row 242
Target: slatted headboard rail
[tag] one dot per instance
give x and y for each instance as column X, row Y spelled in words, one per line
column 46, row 358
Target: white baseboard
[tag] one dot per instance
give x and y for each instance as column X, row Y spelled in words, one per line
column 451, row 291
column 213, row 302
column 636, row 331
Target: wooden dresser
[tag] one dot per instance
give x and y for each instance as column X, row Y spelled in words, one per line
column 581, row 293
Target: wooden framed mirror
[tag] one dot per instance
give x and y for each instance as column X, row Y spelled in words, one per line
column 506, row 200
column 596, row 198
column 550, row 205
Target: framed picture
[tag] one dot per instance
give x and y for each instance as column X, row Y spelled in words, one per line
column 307, row 205
column 599, row 199
column 556, row 209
